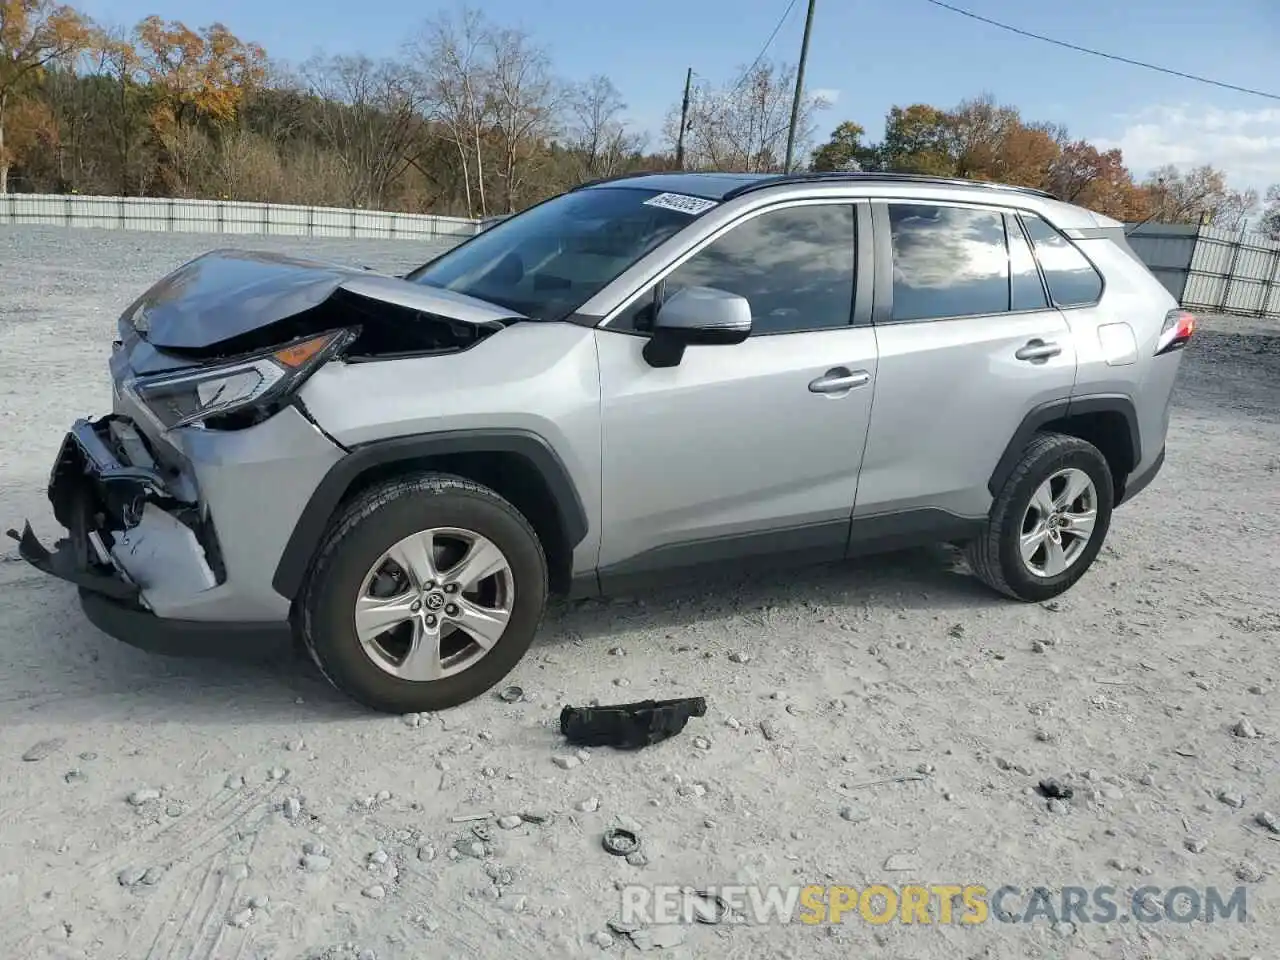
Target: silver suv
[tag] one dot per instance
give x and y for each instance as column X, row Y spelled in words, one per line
column 631, row 380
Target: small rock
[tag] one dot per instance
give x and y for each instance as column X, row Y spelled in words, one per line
column 276, row 773
column 238, row 871
column 173, row 810
column 412, row 719
column 769, row 729
column 582, row 755
column 638, row 858
column 242, row 919
column 379, row 856
column 1255, row 690
column 709, row 823
column 144, row 795
column 733, row 724
column 692, row 790
column 602, row 939
column 1056, row 789
column 797, row 835
column 853, row 814
column 622, row 682
column 956, row 631
column 259, row 902
column 426, row 853
column 291, row 807
column 1231, row 798
column 375, row 892
column 566, row 762
column 1058, row 806
column 1249, row 872
column 1268, row 819
column 1117, row 864
column 617, row 652
column 315, row 862
column 44, row 749
column 702, row 743
column 234, row 782
column 74, row 776
column 313, row 847
column 590, row 805
column 1244, row 728
column 1196, row 844
column 510, row 822
column 1053, row 606
column 1037, row 646
column 778, row 695
column 1113, row 793
column 383, row 796
column 295, row 746
column 903, row 861
column 485, row 735
column 88, row 756
column 739, row 657
column 925, row 768
column 1147, row 780
column 1044, row 736
column 130, row 876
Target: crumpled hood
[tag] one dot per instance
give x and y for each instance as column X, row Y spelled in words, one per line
column 226, row 294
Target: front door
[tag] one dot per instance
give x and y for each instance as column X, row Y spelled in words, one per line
column 751, row 449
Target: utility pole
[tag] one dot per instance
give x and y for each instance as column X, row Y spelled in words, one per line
column 684, row 115
column 795, row 102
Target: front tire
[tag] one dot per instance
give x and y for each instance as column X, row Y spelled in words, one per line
column 1048, row 522
column 425, row 593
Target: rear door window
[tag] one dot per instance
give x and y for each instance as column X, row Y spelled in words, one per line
column 947, row 261
column 1072, row 279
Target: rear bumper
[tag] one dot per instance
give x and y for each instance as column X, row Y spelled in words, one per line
column 1140, row 480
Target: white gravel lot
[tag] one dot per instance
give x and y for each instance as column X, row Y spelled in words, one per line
column 903, row 666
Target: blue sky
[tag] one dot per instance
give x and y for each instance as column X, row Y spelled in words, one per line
column 870, row 54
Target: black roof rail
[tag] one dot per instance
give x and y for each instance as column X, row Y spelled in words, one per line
column 622, row 176
column 869, row 177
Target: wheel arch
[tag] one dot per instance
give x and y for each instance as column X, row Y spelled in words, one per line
column 1109, row 422
column 519, row 465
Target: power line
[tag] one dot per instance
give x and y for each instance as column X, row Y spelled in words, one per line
column 763, row 50
column 1098, row 53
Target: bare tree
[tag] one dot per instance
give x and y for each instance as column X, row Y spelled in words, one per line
column 453, row 75
column 525, row 98
column 744, row 127
column 597, row 132
column 369, row 118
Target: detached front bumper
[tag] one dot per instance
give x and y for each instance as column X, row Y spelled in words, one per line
column 136, row 530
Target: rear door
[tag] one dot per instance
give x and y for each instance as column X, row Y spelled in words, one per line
column 968, row 345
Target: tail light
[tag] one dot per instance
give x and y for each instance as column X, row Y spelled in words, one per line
column 1179, row 325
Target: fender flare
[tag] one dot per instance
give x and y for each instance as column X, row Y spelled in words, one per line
column 328, row 494
column 1038, row 416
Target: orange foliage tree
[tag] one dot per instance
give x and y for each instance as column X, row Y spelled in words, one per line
column 33, row 34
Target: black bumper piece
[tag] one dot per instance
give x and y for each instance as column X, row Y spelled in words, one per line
column 66, row 562
column 141, row 628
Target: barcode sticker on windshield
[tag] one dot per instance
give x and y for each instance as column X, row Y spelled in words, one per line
column 679, row 201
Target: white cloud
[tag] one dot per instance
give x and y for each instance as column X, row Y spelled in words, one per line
column 1244, row 144
column 829, row 94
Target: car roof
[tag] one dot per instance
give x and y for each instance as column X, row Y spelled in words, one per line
column 721, row 186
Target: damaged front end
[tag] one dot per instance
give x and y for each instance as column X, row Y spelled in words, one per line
column 126, row 525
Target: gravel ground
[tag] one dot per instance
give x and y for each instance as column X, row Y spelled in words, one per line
column 178, row 809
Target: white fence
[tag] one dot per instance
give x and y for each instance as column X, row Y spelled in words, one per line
column 1214, row 270
column 163, row 215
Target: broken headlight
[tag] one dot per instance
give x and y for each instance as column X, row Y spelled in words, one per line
column 237, row 393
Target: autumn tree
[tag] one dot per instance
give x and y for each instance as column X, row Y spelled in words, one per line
column 33, row 34
column 845, row 151
column 917, row 139
column 1198, row 195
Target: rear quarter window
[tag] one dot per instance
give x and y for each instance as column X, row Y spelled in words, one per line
column 1071, row 278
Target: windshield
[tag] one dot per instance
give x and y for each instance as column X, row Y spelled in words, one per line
column 551, row 259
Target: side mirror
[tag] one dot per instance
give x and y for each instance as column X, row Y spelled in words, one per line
column 696, row 316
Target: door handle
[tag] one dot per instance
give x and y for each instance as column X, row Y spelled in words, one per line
column 1038, row 350
column 839, row 380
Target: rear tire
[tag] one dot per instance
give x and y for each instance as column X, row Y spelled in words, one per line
column 359, row 554
column 1033, row 548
